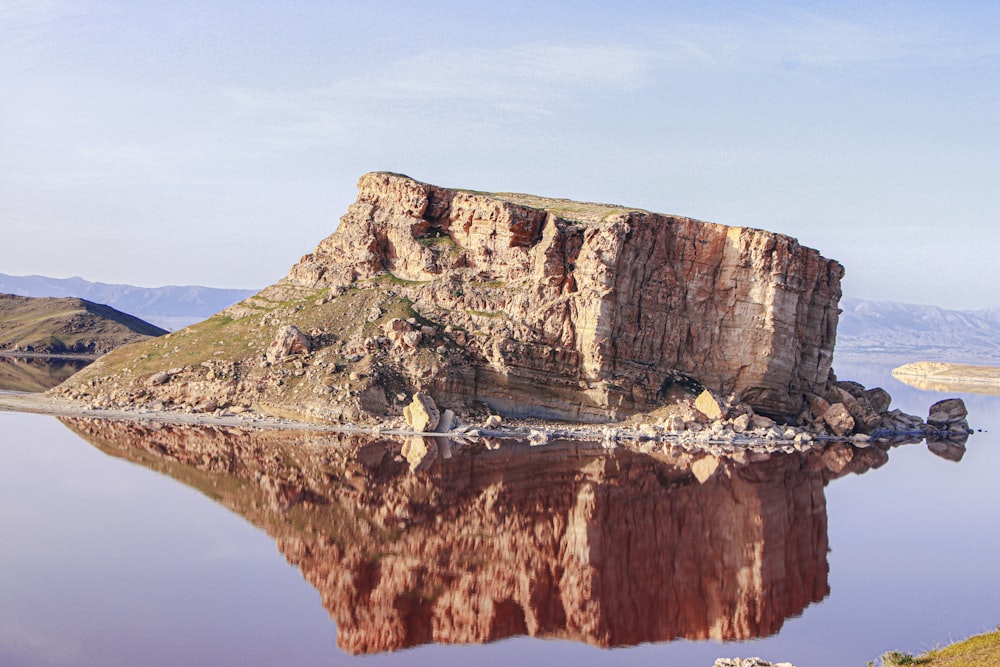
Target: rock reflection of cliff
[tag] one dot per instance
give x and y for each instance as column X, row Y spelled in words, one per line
column 610, row 548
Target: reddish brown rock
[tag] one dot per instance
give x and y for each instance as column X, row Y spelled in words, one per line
column 947, row 412
column 289, row 340
column 620, row 299
column 818, row 406
column 839, row 419
column 562, row 541
column 878, row 399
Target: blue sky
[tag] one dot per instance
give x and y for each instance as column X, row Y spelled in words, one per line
column 216, row 142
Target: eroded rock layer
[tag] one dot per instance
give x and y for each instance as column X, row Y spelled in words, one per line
column 568, row 541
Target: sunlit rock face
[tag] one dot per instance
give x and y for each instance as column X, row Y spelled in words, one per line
column 581, row 309
column 561, row 541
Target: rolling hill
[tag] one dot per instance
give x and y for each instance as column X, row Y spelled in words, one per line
column 171, row 307
column 66, row 326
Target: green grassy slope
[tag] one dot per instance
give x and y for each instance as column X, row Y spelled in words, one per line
column 66, row 326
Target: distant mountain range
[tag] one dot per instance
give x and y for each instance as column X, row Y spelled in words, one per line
column 885, row 328
column 172, row 307
column 927, row 333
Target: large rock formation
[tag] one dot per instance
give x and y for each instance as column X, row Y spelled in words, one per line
column 620, row 300
column 564, row 541
column 537, row 307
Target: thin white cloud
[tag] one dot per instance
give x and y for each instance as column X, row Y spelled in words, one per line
column 515, row 73
column 538, row 80
column 811, row 39
column 519, row 81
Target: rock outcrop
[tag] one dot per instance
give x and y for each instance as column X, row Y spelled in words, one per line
column 422, row 415
column 749, row 662
column 526, row 306
column 288, row 342
column 582, row 309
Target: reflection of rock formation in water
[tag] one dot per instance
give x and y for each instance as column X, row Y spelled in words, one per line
column 36, row 373
column 610, row 548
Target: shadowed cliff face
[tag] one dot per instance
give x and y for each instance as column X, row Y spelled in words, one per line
column 567, row 540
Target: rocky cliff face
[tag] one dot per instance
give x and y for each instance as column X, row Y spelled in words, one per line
column 609, row 548
column 593, row 306
column 537, row 307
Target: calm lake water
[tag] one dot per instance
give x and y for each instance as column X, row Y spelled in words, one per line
column 155, row 545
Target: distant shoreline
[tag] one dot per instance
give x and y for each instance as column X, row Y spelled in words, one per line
column 942, row 376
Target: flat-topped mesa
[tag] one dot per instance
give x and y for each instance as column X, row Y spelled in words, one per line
column 537, row 307
column 587, row 311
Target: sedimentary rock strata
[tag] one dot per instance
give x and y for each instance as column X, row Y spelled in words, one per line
column 591, row 308
column 531, row 306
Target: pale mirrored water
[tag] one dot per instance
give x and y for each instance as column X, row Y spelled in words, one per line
column 158, row 545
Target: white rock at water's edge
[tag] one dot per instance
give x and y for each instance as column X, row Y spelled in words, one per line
column 422, row 415
column 749, row 662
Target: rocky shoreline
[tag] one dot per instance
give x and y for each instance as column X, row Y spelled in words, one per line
column 734, row 433
column 633, row 533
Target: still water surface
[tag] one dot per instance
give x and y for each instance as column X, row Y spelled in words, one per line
column 145, row 545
